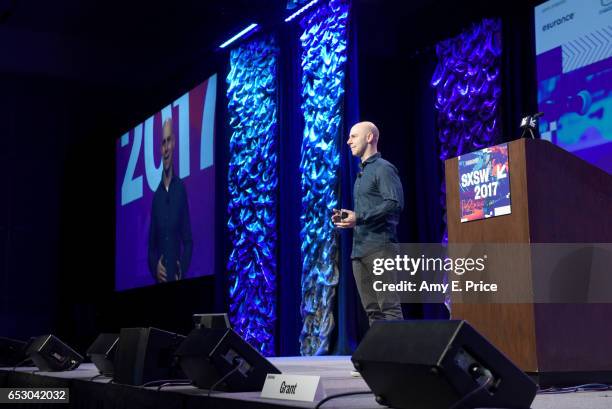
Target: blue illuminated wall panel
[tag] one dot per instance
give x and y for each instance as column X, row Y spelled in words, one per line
column 253, row 184
column 468, row 88
column 323, row 61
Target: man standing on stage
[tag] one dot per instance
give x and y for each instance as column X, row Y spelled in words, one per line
column 170, row 224
column 379, row 199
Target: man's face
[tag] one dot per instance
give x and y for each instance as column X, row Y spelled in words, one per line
column 167, row 146
column 358, row 140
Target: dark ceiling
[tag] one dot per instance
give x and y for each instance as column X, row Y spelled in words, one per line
column 135, row 44
column 127, row 43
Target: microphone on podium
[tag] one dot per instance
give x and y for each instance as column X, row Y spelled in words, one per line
column 530, row 124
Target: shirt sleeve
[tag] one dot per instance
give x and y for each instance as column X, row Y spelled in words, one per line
column 390, row 188
column 186, row 235
column 153, row 248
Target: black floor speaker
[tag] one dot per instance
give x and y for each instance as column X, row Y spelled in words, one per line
column 146, row 355
column 12, row 352
column 439, row 364
column 49, row 354
column 102, row 353
column 211, row 321
column 209, row 354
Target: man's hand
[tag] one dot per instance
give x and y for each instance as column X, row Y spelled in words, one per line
column 161, row 270
column 344, row 223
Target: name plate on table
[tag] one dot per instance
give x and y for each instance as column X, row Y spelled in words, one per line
column 293, row 387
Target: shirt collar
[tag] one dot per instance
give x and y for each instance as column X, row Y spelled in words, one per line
column 172, row 180
column 369, row 160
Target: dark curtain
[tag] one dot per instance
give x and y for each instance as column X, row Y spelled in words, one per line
column 289, row 321
column 223, row 243
column 519, row 86
column 351, row 320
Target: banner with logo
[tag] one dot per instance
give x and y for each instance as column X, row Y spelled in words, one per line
column 484, row 183
column 573, row 42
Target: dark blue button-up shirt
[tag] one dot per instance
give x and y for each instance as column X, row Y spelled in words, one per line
column 379, row 199
column 170, row 229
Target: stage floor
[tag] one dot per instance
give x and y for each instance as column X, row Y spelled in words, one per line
column 335, row 375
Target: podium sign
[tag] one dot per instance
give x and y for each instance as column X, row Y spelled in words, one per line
column 484, row 183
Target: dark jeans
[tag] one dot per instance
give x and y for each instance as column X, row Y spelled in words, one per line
column 378, row 305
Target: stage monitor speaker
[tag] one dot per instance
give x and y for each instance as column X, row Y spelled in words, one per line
column 211, row 321
column 102, row 353
column 209, row 354
column 12, row 352
column 194, row 357
column 49, row 354
column 436, row 364
column 145, row 355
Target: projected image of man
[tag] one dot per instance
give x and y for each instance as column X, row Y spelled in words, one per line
column 170, row 241
column 379, row 199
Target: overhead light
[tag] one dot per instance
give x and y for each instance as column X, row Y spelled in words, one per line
column 240, row 34
column 300, row 11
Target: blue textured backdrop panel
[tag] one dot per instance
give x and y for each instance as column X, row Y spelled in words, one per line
column 468, row 88
column 253, row 181
column 294, row 4
column 323, row 60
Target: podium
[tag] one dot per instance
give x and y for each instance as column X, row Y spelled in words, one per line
column 556, row 198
